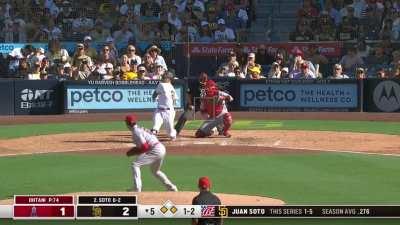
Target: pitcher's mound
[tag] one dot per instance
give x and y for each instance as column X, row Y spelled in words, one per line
column 182, row 198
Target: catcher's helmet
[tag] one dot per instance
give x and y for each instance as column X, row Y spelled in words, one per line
column 203, row 78
column 130, row 119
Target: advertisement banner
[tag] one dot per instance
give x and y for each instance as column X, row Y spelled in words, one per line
column 382, row 95
column 7, row 97
column 6, row 48
column 331, row 49
column 299, row 96
column 37, row 97
column 112, row 95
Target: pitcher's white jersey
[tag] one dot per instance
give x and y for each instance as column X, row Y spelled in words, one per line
column 153, row 156
column 140, row 136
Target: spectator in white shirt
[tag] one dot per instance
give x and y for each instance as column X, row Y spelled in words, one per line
column 52, row 31
column 224, row 34
column 173, row 18
column 132, row 57
column 82, row 24
column 155, row 52
column 338, row 73
column 123, row 35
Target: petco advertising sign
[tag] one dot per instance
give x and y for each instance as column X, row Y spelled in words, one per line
column 80, row 98
column 298, row 97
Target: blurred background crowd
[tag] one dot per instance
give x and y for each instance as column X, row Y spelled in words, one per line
column 130, row 39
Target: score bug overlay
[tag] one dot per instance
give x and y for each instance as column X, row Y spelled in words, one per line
column 42, row 207
column 107, row 208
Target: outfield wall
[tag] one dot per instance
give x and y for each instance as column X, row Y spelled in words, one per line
column 24, row 97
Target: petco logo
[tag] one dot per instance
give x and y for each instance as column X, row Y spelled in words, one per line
column 96, row 95
column 30, row 95
column 387, row 96
column 270, row 94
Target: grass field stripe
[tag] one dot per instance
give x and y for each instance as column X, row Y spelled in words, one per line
column 339, row 151
column 64, row 151
column 275, row 145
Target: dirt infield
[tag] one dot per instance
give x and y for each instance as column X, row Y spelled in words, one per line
column 97, row 117
column 242, row 142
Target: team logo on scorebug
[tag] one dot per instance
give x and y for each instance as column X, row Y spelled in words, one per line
column 207, row 211
column 387, row 96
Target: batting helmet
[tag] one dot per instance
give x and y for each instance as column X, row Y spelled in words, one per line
column 130, row 119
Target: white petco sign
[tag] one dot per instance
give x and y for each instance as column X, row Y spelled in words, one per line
column 387, row 96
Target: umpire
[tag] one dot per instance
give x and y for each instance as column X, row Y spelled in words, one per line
column 205, row 197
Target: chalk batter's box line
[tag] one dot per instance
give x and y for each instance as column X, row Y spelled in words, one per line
column 200, row 98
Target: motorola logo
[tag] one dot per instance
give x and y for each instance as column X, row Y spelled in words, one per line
column 387, row 96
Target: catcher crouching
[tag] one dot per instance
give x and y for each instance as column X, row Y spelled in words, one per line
column 213, row 107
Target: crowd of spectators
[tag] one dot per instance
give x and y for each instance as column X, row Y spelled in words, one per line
column 346, row 20
column 308, row 65
column 86, row 64
column 124, row 20
column 356, row 22
column 119, row 27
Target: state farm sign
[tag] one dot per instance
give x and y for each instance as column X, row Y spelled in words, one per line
column 331, row 49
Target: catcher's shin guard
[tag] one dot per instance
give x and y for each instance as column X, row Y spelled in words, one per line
column 200, row 134
column 227, row 123
column 182, row 120
column 181, row 123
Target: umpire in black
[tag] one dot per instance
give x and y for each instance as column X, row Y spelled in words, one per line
column 205, row 197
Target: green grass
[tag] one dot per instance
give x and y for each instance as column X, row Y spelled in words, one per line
column 295, row 178
column 15, row 131
column 323, row 178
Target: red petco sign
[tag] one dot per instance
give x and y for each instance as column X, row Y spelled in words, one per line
column 333, row 49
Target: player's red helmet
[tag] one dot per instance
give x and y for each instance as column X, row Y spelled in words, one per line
column 203, row 78
column 204, row 182
column 130, row 119
column 211, row 88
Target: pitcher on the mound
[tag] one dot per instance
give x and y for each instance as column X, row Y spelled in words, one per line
column 150, row 151
column 213, row 106
column 165, row 113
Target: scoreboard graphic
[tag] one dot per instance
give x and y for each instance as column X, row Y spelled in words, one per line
column 57, row 207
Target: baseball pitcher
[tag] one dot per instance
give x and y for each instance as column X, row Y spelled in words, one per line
column 165, row 113
column 150, row 151
column 213, row 106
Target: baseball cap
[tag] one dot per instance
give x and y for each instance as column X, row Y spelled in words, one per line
column 87, row 38
column 109, row 39
column 131, row 119
column 80, row 45
column 221, row 21
column 298, row 52
column 67, row 65
column 252, row 55
column 204, row 182
column 204, row 23
column 142, row 68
